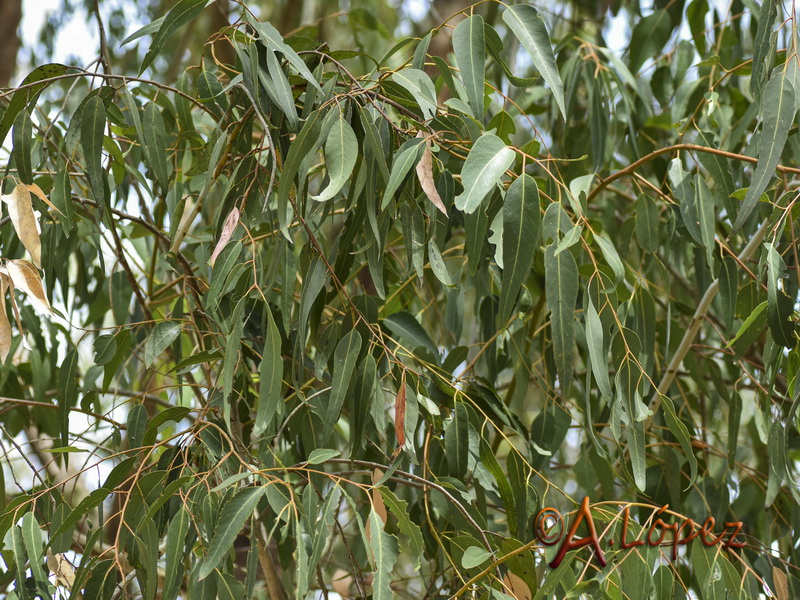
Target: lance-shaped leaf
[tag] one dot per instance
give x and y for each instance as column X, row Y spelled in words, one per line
column 521, row 224
column 561, row 287
column 706, row 211
column 528, row 25
column 469, row 46
column 780, row 306
column 777, row 114
column 231, row 521
column 403, row 160
column 383, row 548
column 25, row 277
column 155, row 144
column 28, row 93
column 231, row 221
column 487, row 161
column 93, row 122
column 419, row 84
column 5, row 325
column 341, row 152
column 163, row 334
column 270, row 377
column 344, row 362
column 20, row 210
column 597, row 354
column 425, row 176
column 183, row 12
column 456, row 441
column 681, row 433
column 301, row 146
column 274, row 40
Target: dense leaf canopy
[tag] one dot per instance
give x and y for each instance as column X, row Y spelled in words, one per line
column 317, row 310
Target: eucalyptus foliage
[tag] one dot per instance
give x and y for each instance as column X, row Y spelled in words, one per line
column 345, row 319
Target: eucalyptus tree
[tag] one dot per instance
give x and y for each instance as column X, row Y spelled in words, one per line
column 341, row 312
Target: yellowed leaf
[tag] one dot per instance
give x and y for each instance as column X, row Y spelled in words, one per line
column 61, row 568
column 21, row 212
column 425, row 175
column 781, row 584
column 225, row 236
column 25, row 277
column 35, row 189
column 5, row 326
column 377, row 497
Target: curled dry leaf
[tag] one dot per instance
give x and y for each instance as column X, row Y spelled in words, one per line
column 225, row 236
column 21, row 212
column 60, row 567
column 5, row 325
column 35, row 189
column 341, row 582
column 515, row 587
column 425, row 175
column 781, row 584
column 377, row 497
column 25, row 276
column 400, row 415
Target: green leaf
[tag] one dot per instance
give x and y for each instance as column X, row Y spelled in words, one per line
column 474, row 556
column 344, row 362
column 93, row 122
column 341, row 151
column 231, row 521
column 270, row 378
column 412, row 536
column 648, row 38
column 155, row 144
column 750, row 329
column 231, row 358
column 777, row 114
column 67, row 392
column 469, row 46
column 487, row 161
column 274, row 40
column 438, row 265
column 27, row 96
column 279, row 90
column 647, row 223
column 22, row 137
column 301, row 147
column 528, row 25
column 419, row 85
column 597, row 354
column 456, row 441
column 137, row 425
column 681, row 433
column 410, row 332
column 780, row 307
column 180, row 14
column 320, row 455
column 403, row 161
column 163, row 334
column 383, row 549
column 561, row 287
column 522, row 223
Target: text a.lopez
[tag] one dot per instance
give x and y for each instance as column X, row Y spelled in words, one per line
column 683, row 531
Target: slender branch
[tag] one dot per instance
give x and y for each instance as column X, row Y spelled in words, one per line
column 636, row 164
column 697, row 319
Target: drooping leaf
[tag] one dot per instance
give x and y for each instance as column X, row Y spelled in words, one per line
column 521, row 225
column 383, row 550
column 163, row 334
column 231, row 521
column 487, row 161
column 777, row 114
column 528, row 25
column 341, row 151
column 469, row 46
column 20, row 210
column 180, row 14
column 561, row 287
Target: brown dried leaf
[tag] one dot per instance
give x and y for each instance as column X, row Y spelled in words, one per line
column 377, row 497
column 60, row 567
column 781, row 584
column 25, row 276
column 400, row 415
column 21, row 212
column 225, row 236
column 425, row 175
column 5, row 326
column 515, row 587
column 35, row 189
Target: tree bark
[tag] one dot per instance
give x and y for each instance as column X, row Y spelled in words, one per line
column 10, row 16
